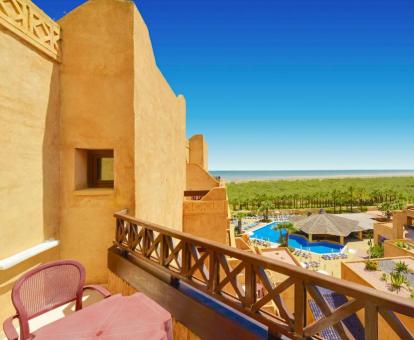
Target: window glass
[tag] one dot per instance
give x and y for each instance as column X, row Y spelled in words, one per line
column 106, row 169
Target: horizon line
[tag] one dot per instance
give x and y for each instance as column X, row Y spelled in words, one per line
column 311, row 169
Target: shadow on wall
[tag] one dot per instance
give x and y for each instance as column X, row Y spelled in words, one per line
column 9, row 277
column 51, row 160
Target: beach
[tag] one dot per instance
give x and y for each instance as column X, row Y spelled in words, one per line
column 238, row 176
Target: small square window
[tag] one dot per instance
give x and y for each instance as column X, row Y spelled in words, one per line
column 100, row 168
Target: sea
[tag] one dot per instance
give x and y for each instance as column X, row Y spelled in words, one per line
column 261, row 175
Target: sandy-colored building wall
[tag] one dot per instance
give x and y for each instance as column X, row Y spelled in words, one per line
column 383, row 229
column 160, row 143
column 399, row 220
column 198, row 151
column 29, row 139
column 29, row 156
column 392, row 230
column 9, row 277
column 208, row 217
column 101, row 90
column 97, row 79
column 199, row 179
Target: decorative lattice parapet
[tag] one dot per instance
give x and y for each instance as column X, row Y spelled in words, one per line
column 30, row 23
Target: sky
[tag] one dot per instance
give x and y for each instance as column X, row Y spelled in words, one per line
column 289, row 84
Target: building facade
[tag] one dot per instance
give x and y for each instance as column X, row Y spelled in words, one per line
column 89, row 126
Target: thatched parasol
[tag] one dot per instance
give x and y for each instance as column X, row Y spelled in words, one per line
column 326, row 224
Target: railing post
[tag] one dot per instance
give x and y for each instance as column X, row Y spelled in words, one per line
column 213, row 272
column 163, row 250
column 144, row 242
column 300, row 309
column 371, row 322
column 186, row 260
column 250, row 284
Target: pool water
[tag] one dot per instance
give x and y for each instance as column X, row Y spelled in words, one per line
column 266, row 233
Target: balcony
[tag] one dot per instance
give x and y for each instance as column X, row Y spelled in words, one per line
column 205, row 207
column 218, row 292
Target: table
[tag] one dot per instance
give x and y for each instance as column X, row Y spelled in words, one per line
column 117, row 317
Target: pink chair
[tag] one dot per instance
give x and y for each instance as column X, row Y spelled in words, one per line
column 44, row 288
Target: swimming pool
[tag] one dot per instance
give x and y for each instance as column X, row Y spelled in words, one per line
column 266, row 233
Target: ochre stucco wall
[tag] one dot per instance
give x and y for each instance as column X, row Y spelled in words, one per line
column 383, row 230
column 8, row 279
column 96, row 113
column 199, row 179
column 29, row 139
column 29, row 156
column 399, row 220
column 198, row 151
column 107, row 93
column 208, row 217
column 160, row 144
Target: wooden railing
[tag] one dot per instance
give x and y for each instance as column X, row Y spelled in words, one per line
column 218, row 270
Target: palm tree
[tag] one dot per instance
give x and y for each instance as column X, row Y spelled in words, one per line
column 239, row 217
column 351, row 197
column 265, row 206
column 361, row 193
column 287, row 228
column 236, row 204
column 334, row 195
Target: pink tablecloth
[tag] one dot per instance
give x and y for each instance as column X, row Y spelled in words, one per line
column 117, row 317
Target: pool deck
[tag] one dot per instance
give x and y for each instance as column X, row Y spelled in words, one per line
column 356, row 250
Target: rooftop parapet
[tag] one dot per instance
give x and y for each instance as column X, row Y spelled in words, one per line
column 30, row 23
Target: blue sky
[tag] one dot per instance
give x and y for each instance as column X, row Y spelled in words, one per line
column 289, row 84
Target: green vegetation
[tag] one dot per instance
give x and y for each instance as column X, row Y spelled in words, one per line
column 264, row 207
column 335, row 195
column 388, row 207
column 401, row 267
column 384, row 277
column 397, row 280
column 238, row 228
column 376, row 251
column 371, row 265
column 285, row 228
column 401, row 244
column 404, row 245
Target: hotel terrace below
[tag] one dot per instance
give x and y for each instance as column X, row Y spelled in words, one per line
column 97, row 173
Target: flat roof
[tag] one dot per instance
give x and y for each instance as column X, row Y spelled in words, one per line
column 365, row 220
column 280, row 254
column 385, row 265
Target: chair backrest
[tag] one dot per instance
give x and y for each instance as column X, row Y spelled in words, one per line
column 45, row 288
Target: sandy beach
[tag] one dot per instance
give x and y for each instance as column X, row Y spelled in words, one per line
column 280, row 177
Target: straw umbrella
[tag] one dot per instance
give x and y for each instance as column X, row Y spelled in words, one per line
column 327, row 224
